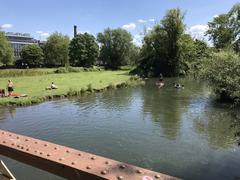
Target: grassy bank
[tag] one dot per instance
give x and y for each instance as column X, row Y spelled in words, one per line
column 69, row 84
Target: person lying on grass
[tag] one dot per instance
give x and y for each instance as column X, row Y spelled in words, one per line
column 53, row 86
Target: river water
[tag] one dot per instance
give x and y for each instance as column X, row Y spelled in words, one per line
column 182, row 133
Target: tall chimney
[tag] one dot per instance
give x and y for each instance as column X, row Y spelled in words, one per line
column 75, row 30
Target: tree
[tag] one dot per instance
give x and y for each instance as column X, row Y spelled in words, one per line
column 173, row 25
column 83, row 50
column 6, row 51
column 160, row 52
column 222, row 72
column 56, row 50
column 220, row 32
column 115, row 46
column 224, row 30
column 32, row 55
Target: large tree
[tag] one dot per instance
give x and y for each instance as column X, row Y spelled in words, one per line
column 83, row 50
column 224, row 30
column 160, row 52
column 6, row 51
column 56, row 50
column 115, row 46
column 32, row 55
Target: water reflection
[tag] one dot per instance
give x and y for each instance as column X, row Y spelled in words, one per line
column 178, row 132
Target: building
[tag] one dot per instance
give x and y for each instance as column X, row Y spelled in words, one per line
column 18, row 40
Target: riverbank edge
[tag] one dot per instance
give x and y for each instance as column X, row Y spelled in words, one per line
column 132, row 81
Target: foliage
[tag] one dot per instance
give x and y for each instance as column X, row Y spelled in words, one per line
column 33, row 55
column 83, row 50
column 161, row 47
column 6, row 51
column 116, row 46
column 25, row 72
column 70, row 69
column 224, row 30
column 222, row 72
column 56, row 50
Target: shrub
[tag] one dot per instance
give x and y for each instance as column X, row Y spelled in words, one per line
column 222, row 71
column 89, row 88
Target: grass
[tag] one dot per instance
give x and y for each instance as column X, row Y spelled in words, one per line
column 68, row 84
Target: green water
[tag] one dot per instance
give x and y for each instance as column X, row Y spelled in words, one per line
column 183, row 133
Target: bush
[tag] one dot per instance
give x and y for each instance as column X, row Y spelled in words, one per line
column 222, row 71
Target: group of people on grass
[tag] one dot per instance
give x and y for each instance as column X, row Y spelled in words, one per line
column 10, row 89
column 161, row 83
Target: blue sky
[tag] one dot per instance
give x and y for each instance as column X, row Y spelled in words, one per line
column 42, row 17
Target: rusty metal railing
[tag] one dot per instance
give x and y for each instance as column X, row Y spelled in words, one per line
column 70, row 163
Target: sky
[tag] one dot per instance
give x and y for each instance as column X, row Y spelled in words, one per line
column 43, row 17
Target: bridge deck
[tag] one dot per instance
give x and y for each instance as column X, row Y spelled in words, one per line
column 69, row 163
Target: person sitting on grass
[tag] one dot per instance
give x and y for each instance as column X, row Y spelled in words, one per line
column 53, row 86
column 2, row 93
column 10, row 87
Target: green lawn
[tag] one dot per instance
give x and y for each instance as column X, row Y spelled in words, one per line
column 34, row 86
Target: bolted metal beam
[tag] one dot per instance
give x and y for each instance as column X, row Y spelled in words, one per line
column 68, row 162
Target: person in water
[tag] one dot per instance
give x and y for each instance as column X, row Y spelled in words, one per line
column 10, row 87
column 160, row 83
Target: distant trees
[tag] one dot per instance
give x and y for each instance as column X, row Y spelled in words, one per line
column 6, row 51
column 32, row 55
column 56, row 50
column 83, row 50
column 116, row 46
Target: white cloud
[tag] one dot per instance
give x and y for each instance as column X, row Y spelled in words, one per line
column 137, row 39
column 6, row 26
column 129, row 26
column 142, row 21
column 39, row 32
column 198, row 31
column 152, row 20
column 45, row 34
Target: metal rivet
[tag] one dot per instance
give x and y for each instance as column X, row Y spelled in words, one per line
column 9, row 135
column 27, row 149
column 22, row 147
column 12, row 144
column 73, row 163
column 26, row 139
column 60, row 159
column 55, row 148
column 157, row 176
column 107, row 162
column 89, row 167
column 45, row 145
column 79, row 154
column 18, row 145
column 104, row 172
column 35, row 142
column 41, row 153
column 139, row 171
column 67, row 151
column 122, row 166
column 120, row 177
column 48, row 155
column 17, row 137
column 35, row 151
column 93, row 158
column 4, row 142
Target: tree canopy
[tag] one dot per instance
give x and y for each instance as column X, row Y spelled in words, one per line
column 6, row 51
column 32, row 55
column 83, row 50
column 116, row 45
column 56, row 50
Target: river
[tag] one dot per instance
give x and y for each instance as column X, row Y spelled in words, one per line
column 183, row 133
